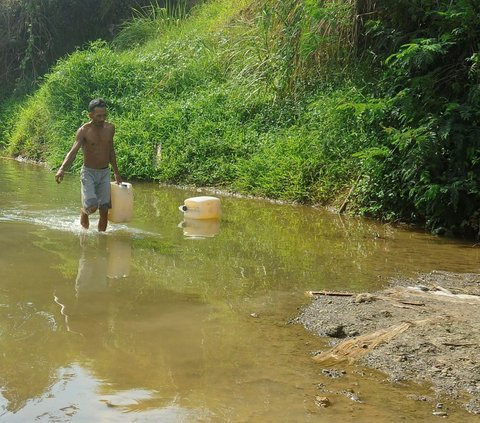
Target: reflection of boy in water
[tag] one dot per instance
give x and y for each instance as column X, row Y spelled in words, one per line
column 91, row 287
column 96, row 140
column 92, row 270
column 103, row 258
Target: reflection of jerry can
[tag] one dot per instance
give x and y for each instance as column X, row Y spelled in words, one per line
column 201, row 208
column 119, row 257
column 122, row 202
column 200, row 228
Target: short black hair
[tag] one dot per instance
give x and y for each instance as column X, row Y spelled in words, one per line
column 98, row 102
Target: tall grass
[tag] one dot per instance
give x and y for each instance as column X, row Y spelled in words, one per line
column 233, row 94
column 150, row 22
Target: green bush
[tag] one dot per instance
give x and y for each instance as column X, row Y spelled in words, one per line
column 430, row 89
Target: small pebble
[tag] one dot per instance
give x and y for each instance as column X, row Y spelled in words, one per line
column 322, row 401
column 440, row 413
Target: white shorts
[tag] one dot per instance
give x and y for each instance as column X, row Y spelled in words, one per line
column 95, row 188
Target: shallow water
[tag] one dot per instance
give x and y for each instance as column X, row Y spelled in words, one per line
column 173, row 321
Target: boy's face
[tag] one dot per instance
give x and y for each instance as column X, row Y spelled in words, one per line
column 98, row 115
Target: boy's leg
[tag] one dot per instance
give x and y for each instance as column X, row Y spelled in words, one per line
column 84, row 213
column 84, row 219
column 103, row 196
column 89, row 200
column 103, row 221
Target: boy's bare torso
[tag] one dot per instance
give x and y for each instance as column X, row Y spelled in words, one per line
column 97, row 144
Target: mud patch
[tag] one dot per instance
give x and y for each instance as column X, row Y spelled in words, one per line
column 425, row 330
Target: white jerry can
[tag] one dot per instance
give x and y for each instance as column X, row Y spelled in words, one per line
column 122, row 202
column 203, row 207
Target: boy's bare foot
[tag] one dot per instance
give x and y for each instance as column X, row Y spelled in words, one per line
column 103, row 221
column 84, row 221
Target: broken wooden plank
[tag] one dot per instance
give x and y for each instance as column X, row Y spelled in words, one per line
column 329, row 293
column 452, row 344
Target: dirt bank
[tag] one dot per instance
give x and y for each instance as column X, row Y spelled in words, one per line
column 425, row 330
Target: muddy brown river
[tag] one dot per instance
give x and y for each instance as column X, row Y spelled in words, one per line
column 162, row 320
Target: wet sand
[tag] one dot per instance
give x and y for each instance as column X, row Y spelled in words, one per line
column 425, row 330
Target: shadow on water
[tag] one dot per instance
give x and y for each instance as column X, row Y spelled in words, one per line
column 171, row 320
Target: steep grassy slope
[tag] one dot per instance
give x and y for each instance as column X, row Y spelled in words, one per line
column 201, row 103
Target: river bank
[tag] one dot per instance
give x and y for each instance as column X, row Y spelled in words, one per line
column 425, row 330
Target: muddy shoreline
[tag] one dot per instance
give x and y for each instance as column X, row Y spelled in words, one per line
column 425, row 330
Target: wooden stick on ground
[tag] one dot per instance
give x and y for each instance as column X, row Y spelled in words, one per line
column 329, row 293
column 355, row 348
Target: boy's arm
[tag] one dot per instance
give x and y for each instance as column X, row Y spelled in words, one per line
column 70, row 157
column 113, row 159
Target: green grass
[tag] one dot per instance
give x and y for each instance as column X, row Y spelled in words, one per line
column 199, row 100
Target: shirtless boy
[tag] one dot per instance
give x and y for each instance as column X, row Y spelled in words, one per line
column 96, row 140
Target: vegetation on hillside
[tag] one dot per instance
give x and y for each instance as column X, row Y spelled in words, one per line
column 289, row 99
column 35, row 33
column 425, row 166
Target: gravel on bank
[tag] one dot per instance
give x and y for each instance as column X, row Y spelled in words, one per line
column 425, row 330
